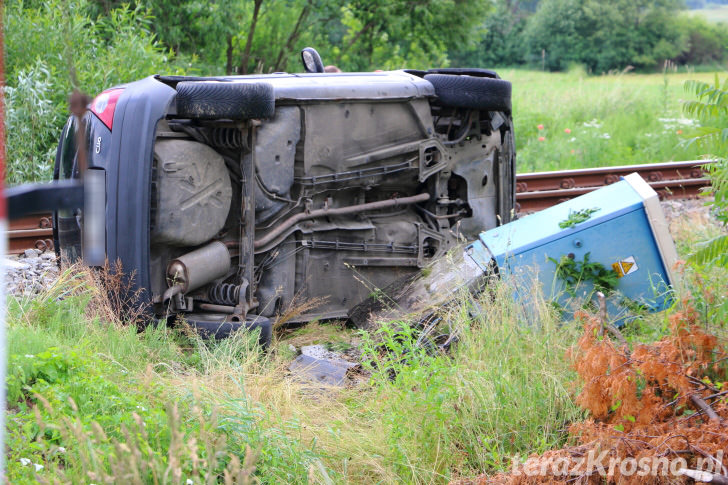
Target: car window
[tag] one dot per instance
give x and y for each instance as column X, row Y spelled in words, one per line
column 68, row 149
column 68, row 166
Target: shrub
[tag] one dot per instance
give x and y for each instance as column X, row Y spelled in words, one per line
column 711, row 108
column 706, row 42
column 53, row 47
column 32, row 121
column 604, row 35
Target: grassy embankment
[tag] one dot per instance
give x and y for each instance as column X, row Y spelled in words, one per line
column 93, row 401
column 503, row 391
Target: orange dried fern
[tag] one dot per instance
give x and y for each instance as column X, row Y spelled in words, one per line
column 641, row 410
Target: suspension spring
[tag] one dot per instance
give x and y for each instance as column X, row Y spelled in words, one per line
column 224, row 294
column 226, row 137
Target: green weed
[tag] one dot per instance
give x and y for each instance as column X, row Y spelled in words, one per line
column 577, row 217
column 575, row 273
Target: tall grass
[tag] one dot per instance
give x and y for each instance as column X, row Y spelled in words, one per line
column 593, row 121
column 93, row 400
column 429, row 417
column 84, row 385
column 129, row 406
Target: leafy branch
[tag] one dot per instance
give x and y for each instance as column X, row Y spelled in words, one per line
column 711, row 109
column 577, row 217
column 574, row 273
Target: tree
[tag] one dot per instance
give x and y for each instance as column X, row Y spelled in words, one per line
column 501, row 37
column 53, row 47
column 706, row 42
column 273, row 36
column 384, row 34
column 605, row 35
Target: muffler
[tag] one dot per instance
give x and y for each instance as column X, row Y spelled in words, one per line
column 197, row 268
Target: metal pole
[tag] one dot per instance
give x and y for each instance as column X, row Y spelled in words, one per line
column 3, row 251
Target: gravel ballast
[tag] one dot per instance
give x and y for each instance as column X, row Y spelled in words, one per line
column 29, row 273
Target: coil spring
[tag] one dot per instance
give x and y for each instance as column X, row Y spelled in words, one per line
column 226, row 138
column 224, row 294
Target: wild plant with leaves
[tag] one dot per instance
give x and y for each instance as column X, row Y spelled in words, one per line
column 711, row 109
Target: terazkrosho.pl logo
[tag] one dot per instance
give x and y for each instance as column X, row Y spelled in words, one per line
column 602, row 463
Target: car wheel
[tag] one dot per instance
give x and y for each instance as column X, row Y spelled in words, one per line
column 214, row 326
column 215, row 100
column 482, row 93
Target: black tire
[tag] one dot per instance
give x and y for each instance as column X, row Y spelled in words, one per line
column 464, row 71
column 229, row 100
column 211, row 325
column 480, row 93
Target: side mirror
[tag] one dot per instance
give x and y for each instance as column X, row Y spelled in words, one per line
column 311, row 60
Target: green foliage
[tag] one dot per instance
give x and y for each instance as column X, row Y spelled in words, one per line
column 94, row 402
column 576, row 273
column 498, row 393
column 502, row 42
column 75, row 424
column 386, row 34
column 52, row 384
column 711, row 109
column 577, row 217
column 713, row 251
column 25, row 371
column 706, row 42
column 267, row 35
column 104, row 394
column 416, row 381
column 53, row 47
column 604, row 35
column 31, row 122
column 282, row 458
column 706, row 290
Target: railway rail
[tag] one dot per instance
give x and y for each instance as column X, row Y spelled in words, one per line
column 31, row 232
column 671, row 180
column 534, row 191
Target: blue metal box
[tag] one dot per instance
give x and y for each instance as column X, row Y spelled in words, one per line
column 625, row 232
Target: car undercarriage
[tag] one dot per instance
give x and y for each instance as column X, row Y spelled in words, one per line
column 314, row 188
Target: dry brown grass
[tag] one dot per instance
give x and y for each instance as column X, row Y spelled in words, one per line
column 110, row 294
column 296, row 308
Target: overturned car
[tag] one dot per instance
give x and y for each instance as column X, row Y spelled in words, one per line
column 229, row 198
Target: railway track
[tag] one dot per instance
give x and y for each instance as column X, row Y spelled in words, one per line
column 671, row 180
column 534, row 191
column 31, row 232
